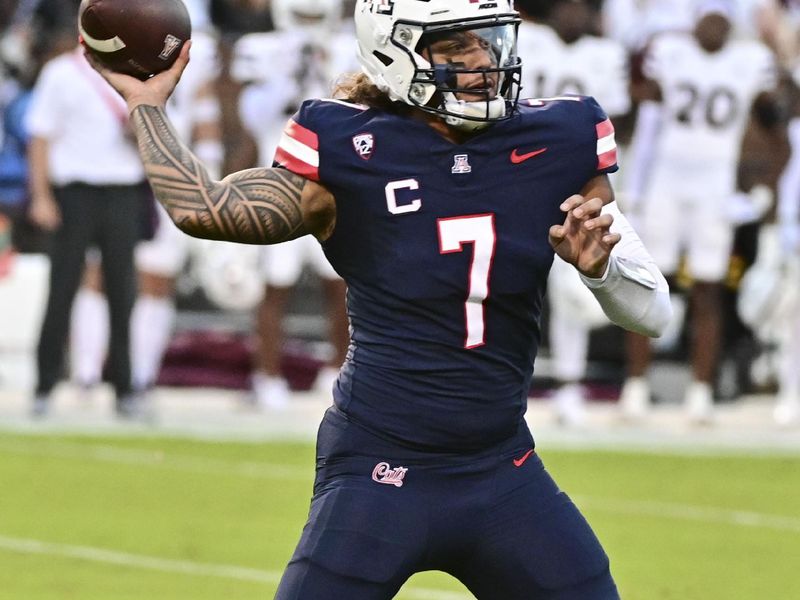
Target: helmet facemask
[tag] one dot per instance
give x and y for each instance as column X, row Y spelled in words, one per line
column 401, row 49
column 467, row 75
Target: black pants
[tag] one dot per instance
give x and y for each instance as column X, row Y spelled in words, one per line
column 110, row 218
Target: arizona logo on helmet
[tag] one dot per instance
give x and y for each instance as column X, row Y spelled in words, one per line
column 384, row 7
column 363, row 143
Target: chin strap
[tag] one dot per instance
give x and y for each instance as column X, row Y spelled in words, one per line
column 457, row 109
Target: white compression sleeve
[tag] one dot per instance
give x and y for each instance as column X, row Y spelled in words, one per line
column 632, row 292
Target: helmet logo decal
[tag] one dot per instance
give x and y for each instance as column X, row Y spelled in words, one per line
column 461, row 164
column 383, row 7
column 363, row 144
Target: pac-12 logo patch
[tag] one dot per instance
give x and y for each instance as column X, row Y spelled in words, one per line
column 364, row 143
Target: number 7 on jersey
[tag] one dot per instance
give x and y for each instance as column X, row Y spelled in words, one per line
column 477, row 230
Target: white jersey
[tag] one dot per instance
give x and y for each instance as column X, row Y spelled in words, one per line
column 280, row 70
column 706, row 96
column 591, row 66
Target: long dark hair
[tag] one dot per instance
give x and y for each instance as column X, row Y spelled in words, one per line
column 358, row 89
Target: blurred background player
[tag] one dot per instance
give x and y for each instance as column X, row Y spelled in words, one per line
column 787, row 408
column 747, row 361
column 562, row 56
column 87, row 187
column 769, row 301
column 301, row 59
column 194, row 110
column 701, row 87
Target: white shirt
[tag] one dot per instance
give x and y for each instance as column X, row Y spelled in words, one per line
column 590, row 66
column 706, row 96
column 83, row 120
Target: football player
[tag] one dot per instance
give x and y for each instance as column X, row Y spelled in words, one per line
column 561, row 56
column 702, row 86
column 787, row 407
column 300, row 59
column 441, row 201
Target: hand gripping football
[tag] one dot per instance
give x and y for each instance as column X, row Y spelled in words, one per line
column 136, row 37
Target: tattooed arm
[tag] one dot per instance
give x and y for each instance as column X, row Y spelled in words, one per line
column 252, row 206
column 256, row 206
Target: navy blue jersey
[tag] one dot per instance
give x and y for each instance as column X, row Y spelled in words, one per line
column 445, row 253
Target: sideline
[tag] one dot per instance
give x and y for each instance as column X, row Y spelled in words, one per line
column 744, row 427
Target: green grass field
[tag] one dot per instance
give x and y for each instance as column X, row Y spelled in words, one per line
column 113, row 518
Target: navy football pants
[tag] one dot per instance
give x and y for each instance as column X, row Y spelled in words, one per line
column 507, row 532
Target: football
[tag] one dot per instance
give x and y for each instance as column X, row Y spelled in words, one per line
column 136, row 37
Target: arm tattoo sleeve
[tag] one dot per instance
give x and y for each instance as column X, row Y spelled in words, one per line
column 255, row 206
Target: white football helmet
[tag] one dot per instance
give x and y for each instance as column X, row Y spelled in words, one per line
column 316, row 16
column 393, row 34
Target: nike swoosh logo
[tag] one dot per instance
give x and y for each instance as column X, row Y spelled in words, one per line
column 519, row 158
column 518, row 461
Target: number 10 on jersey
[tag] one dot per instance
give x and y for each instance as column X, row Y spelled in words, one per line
column 477, row 230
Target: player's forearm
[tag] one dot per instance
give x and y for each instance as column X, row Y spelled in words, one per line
column 254, row 206
column 633, row 293
column 631, row 298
